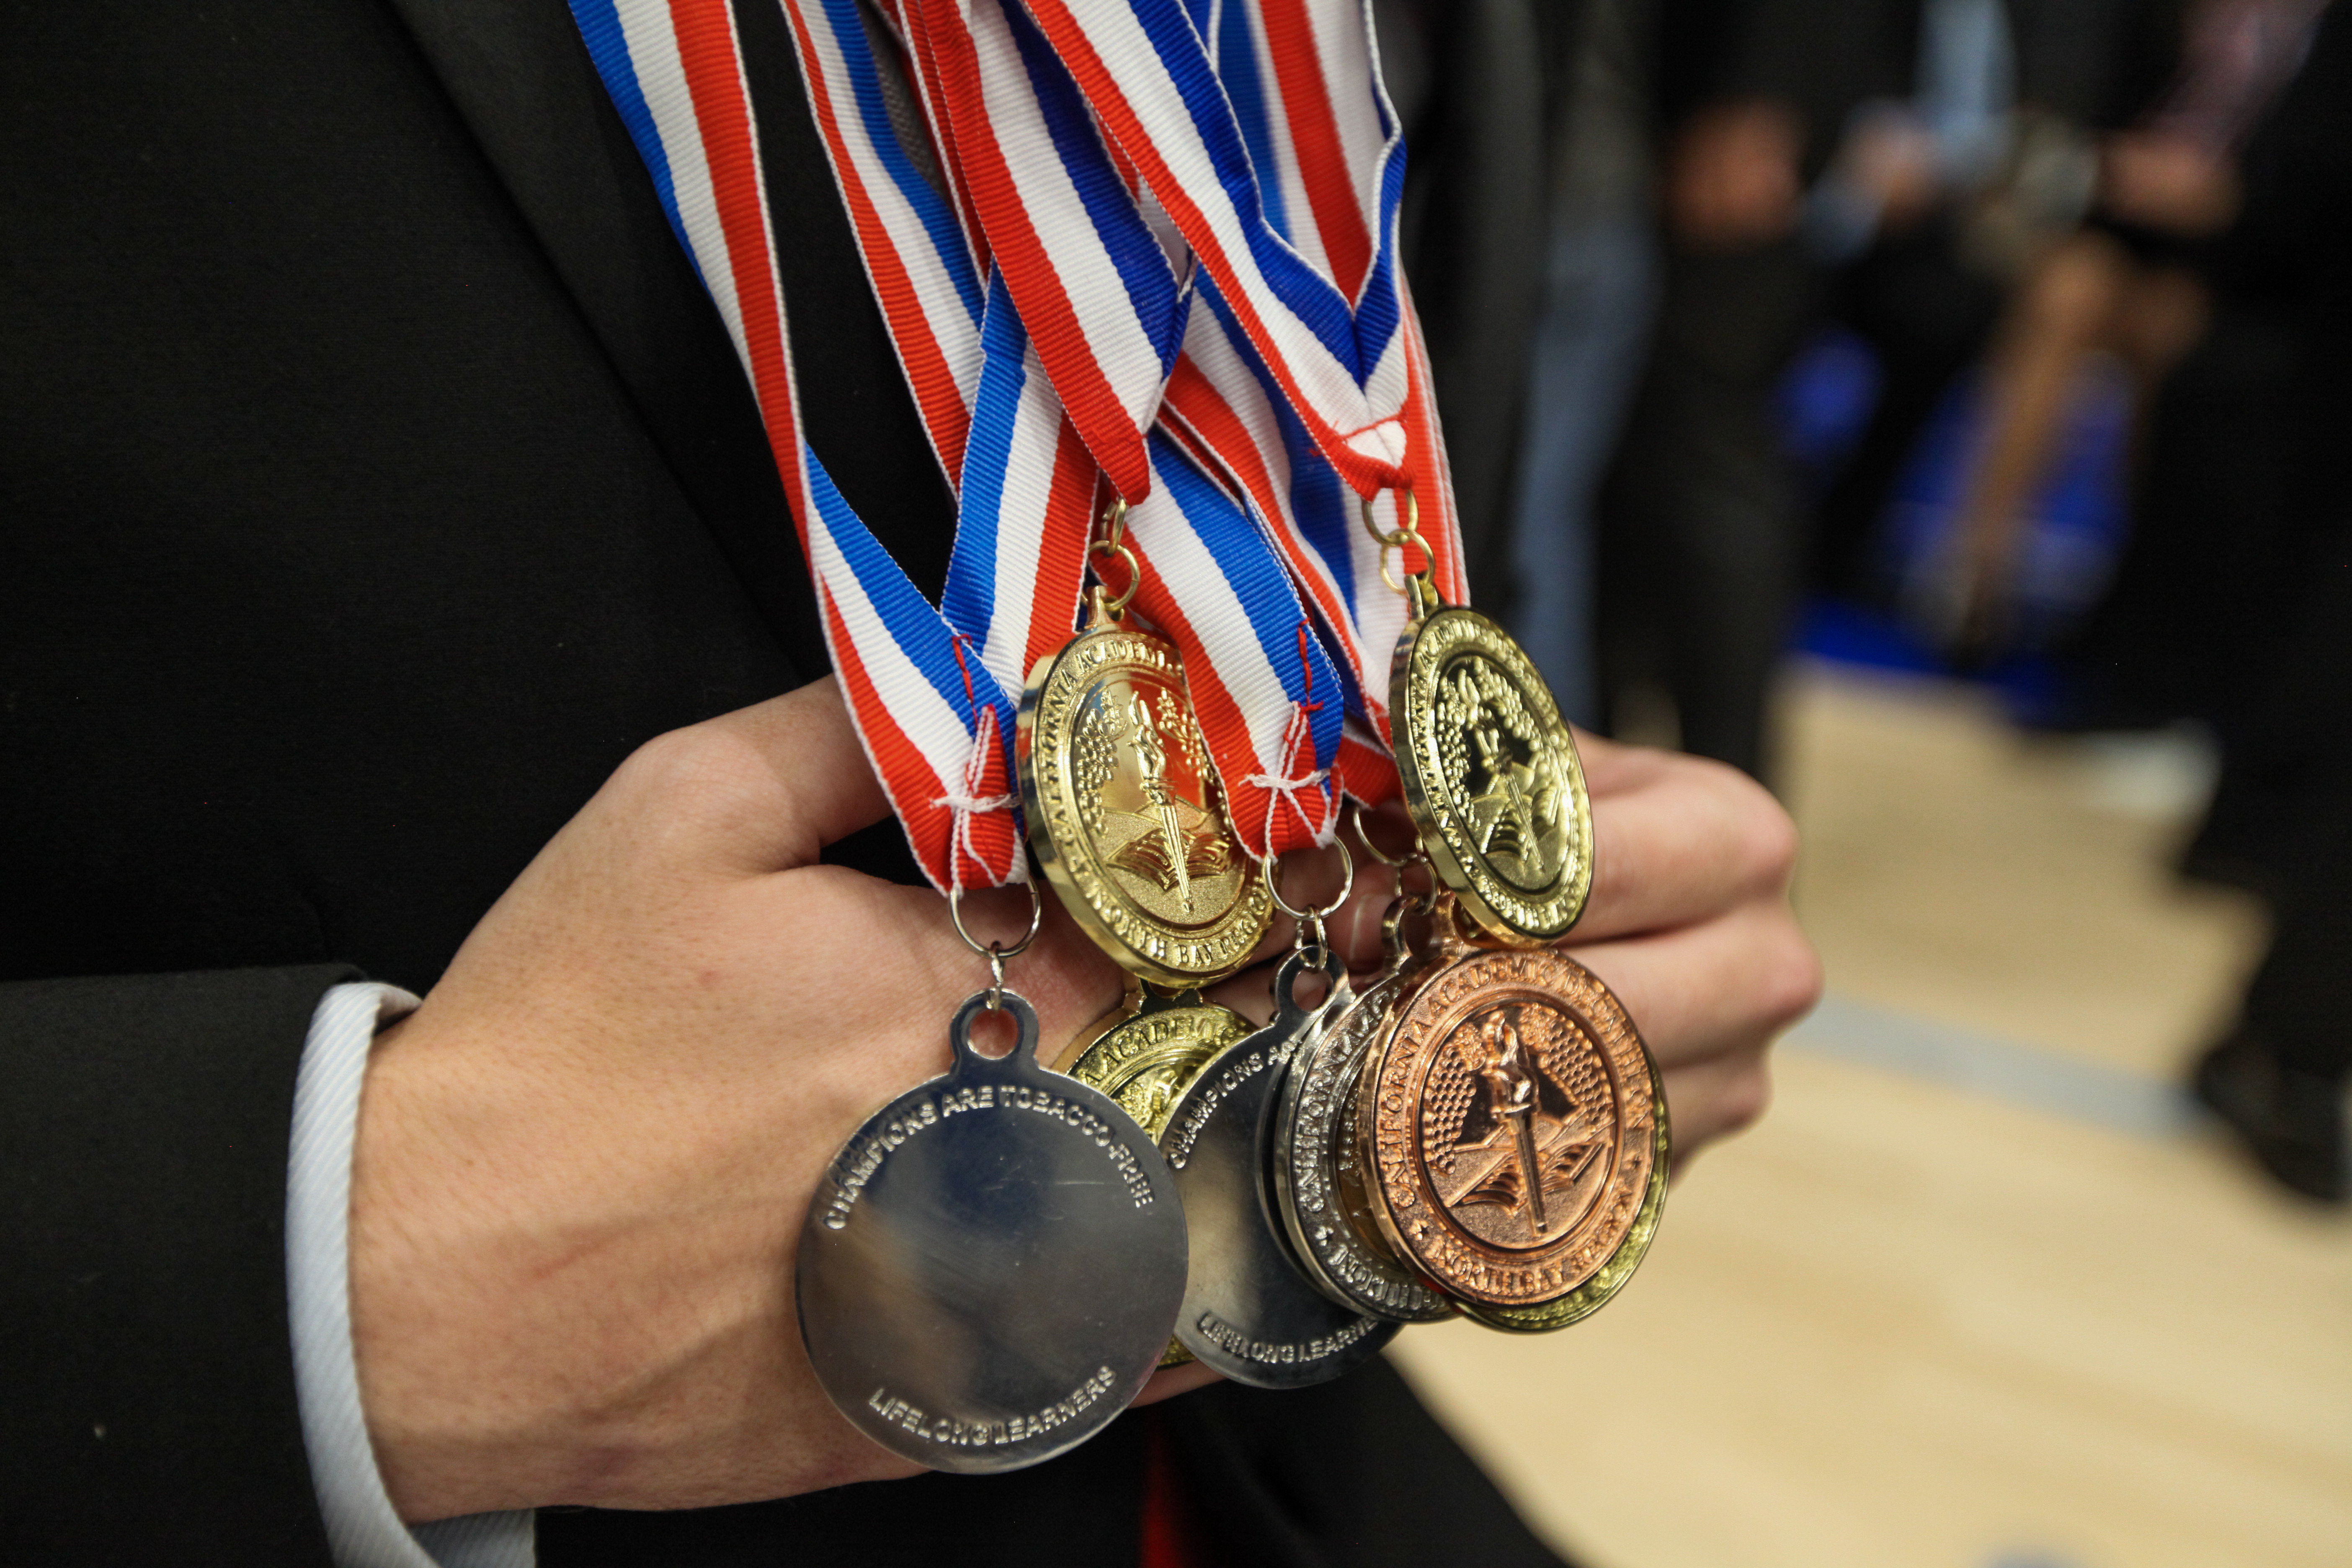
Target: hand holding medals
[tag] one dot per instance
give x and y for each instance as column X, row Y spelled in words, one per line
column 1116, row 265
column 1481, row 1131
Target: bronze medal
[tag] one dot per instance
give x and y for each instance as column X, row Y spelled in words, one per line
column 1516, row 1137
column 1125, row 814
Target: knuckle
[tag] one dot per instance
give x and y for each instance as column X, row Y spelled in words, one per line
column 1747, row 1098
column 1768, row 838
column 1753, row 833
column 667, row 764
column 698, row 776
column 1793, row 977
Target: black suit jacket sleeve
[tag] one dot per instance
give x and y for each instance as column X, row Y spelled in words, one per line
column 150, row 1413
column 339, row 562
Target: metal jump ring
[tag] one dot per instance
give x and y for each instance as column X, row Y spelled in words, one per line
column 1412, row 529
column 1311, row 921
column 1412, row 579
column 996, row 953
column 1114, row 543
column 1134, row 573
column 1416, row 856
column 1419, row 588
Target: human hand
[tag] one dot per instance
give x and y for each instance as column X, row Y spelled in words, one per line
column 1688, row 922
column 2167, row 181
column 583, row 1163
column 1732, row 179
column 1891, row 158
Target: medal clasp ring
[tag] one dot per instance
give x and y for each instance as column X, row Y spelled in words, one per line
column 1419, row 588
column 1114, row 543
column 1311, row 937
column 996, row 953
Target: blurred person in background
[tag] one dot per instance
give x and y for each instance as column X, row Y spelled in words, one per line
column 1467, row 80
column 1817, row 155
column 1598, row 294
column 2232, row 500
column 2126, row 283
column 2281, row 703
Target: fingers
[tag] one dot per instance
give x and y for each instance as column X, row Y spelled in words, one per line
column 761, row 789
column 1713, row 1100
column 1713, row 989
column 893, row 954
column 1709, row 1000
column 1676, row 840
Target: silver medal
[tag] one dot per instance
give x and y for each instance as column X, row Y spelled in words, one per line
column 992, row 1265
column 1315, row 1166
column 1248, row 1311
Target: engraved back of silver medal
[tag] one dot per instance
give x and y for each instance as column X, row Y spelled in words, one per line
column 1311, row 1149
column 993, row 1263
column 1249, row 1311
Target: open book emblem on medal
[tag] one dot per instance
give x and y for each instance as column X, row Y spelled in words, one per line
column 1147, row 795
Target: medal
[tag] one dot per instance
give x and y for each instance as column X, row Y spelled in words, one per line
column 1316, row 1167
column 1489, row 768
column 1249, row 1311
column 1515, row 1137
column 1149, row 1052
column 1123, row 804
column 993, row 1264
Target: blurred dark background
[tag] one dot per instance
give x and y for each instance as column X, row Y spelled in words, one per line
column 1942, row 411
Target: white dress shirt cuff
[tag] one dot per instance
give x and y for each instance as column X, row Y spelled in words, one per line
column 361, row 1527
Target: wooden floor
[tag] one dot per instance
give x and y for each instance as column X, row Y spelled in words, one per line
column 1905, row 1324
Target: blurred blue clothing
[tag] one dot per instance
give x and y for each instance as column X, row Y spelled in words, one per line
column 1600, row 298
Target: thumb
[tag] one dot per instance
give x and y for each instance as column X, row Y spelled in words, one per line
column 765, row 788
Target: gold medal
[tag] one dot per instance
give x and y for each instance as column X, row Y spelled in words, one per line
column 1149, row 1051
column 1488, row 766
column 1491, row 777
column 1124, row 811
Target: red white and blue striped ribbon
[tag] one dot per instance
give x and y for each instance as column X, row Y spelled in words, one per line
column 1328, row 327
column 935, row 700
column 1076, row 244
column 1102, row 280
column 1040, row 298
column 1104, row 303
column 1269, row 141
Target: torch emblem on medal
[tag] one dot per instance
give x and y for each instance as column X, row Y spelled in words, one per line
column 1524, row 1144
column 1155, row 808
